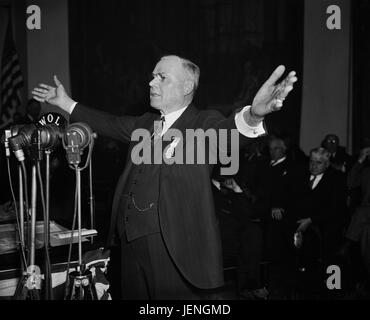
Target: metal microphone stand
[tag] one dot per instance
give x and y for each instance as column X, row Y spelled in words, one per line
column 80, row 281
column 81, row 286
column 21, row 291
column 33, row 283
column 29, row 285
column 21, row 206
column 48, row 272
column 92, row 202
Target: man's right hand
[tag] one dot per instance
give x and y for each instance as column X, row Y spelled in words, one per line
column 56, row 96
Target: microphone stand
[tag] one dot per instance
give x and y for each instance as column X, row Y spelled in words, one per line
column 81, row 286
column 78, row 183
column 30, row 283
column 21, row 291
column 92, row 202
column 21, row 205
column 33, row 283
column 80, row 281
column 48, row 272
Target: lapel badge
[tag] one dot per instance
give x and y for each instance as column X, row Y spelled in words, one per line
column 170, row 150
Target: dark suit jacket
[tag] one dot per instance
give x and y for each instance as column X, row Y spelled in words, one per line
column 279, row 179
column 185, row 205
column 325, row 204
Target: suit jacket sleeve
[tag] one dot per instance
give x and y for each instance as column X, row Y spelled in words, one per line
column 216, row 120
column 115, row 127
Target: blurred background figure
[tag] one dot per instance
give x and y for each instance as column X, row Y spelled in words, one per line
column 278, row 237
column 339, row 158
column 239, row 208
column 358, row 231
column 252, row 209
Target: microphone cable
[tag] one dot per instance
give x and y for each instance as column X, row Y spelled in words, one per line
column 48, row 275
column 71, row 244
column 23, row 255
column 26, row 209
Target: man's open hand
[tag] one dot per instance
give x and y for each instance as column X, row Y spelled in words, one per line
column 270, row 96
column 56, row 96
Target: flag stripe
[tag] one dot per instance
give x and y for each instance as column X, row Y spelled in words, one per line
column 11, row 80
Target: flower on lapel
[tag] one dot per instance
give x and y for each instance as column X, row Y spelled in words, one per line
column 171, row 148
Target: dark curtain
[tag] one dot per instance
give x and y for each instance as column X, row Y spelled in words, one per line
column 361, row 70
column 114, row 45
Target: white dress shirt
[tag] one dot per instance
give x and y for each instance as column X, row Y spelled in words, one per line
column 273, row 163
column 317, row 179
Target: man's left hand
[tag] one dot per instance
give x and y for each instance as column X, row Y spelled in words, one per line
column 270, row 96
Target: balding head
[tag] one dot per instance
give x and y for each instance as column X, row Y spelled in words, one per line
column 319, row 160
column 175, row 80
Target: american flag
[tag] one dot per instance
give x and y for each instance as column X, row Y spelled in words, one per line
column 11, row 80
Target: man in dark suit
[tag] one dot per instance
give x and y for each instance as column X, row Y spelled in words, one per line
column 311, row 227
column 163, row 214
column 317, row 202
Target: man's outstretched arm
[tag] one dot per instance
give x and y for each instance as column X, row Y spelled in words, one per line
column 105, row 124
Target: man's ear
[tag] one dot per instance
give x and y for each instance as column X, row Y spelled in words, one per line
column 188, row 87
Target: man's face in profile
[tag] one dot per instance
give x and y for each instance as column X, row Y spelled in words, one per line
column 167, row 86
column 318, row 164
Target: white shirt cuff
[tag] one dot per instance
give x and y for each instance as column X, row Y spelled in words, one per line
column 244, row 128
column 71, row 108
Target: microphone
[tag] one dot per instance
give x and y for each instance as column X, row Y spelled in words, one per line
column 21, row 140
column 11, row 132
column 77, row 137
column 44, row 138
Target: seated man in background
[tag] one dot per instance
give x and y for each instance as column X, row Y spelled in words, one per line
column 317, row 200
column 315, row 208
column 316, row 211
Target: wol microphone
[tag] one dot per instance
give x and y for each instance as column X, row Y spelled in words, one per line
column 44, row 138
column 77, row 137
column 21, row 140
